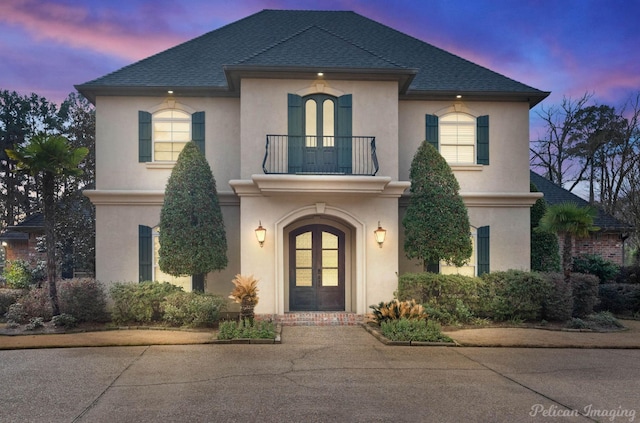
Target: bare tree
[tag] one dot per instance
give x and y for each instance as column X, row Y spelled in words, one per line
column 553, row 154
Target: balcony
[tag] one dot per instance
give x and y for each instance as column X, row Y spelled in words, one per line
column 314, row 155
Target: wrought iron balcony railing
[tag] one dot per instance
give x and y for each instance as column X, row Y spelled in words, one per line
column 314, row 155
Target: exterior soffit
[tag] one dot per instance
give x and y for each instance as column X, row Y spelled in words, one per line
column 271, row 185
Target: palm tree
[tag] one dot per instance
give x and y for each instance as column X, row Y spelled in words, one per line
column 50, row 157
column 569, row 221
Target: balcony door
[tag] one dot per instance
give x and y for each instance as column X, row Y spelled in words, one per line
column 319, row 134
column 320, row 154
column 317, row 269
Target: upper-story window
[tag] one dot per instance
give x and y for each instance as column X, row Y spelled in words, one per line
column 171, row 131
column 459, row 137
column 163, row 134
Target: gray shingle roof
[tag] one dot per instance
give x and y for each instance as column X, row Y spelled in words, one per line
column 555, row 194
column 290, row 39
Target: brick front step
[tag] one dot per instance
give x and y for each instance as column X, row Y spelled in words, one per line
column 318, row 318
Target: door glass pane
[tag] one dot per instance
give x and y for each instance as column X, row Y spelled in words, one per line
column 329, row 277
column 310, row 125
column 329, row 258
column 328, row 123
column 329, row 240
column 303, row 258
column 303, row 240
column 303, row 277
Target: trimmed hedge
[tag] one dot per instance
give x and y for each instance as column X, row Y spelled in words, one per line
column 619, row 298
column 447, row 298
column 516, row 295
column 585, row 293
column 595, row 264
column 192, row 309
column 558, row 306
column 140, row 302
column 83, row 298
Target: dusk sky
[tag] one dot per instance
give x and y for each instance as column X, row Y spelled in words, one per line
column 568, row 47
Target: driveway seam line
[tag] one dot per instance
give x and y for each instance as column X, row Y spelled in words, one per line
column 521, row 384
column 97, row 399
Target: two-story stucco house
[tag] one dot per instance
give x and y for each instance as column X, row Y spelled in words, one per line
column 309, row 121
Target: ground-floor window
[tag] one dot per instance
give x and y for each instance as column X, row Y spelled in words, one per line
column 159, row 275
column 479, row 261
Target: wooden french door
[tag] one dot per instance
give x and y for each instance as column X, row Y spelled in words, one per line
column 320, row 155
column 316, row 269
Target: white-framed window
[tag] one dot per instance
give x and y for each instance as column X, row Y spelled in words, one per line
column 171, row 132
column 471, row 268
column 159, row 275
column 458, row 138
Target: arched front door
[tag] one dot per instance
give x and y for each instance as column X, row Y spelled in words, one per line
column 316, row 274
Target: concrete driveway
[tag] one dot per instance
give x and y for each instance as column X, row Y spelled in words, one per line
column 318, row 374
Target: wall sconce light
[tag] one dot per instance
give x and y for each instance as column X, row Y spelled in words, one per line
column 4, row 244
column 261, row 234
column 380, row 234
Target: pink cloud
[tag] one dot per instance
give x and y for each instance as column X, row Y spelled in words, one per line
column 75, row 26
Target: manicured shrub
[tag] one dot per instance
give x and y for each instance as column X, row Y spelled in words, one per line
column 64, row 320
column 629, row 274
column 413, row 330
column 36, row 303
column 35, row 323
column 246, row 329
column 595, row 264
column 597, row 321
column 18, row 274
column 83, row 298
column 8, row 297
column 192, row 309
column 545, row 250
column 558, row 306
column 139, row 303
column 515, row 294
column 448, row 299
column 585, row 293
column 619, row 298
column 16, row 314
column 395, row 309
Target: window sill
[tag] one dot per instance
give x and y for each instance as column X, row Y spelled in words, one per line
column 160, row 165
column 466, row 167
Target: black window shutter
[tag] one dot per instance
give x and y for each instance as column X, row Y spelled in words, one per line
column 431, row 133
column 145, row 253
column 483, row 250
column 482, row 134
column 197, row 129
column 144, row 136
column 296, row 133
column 344, row 133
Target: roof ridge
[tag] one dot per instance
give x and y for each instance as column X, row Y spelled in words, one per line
column 307, row 28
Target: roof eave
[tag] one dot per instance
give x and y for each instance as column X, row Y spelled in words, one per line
column 91, row 92
column 235, row 73
column 531, row 97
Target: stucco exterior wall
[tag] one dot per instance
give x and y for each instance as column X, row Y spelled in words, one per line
column 374, row 277
column 508, row 169
column 117, row 166
column 264, row 111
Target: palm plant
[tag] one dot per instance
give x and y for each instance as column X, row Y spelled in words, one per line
column 49, row 157
column 569, row 221
column 245, row 293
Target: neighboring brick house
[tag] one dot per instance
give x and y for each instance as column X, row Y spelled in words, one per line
column 608, row 242
column 310, row 121
column 20, row 241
